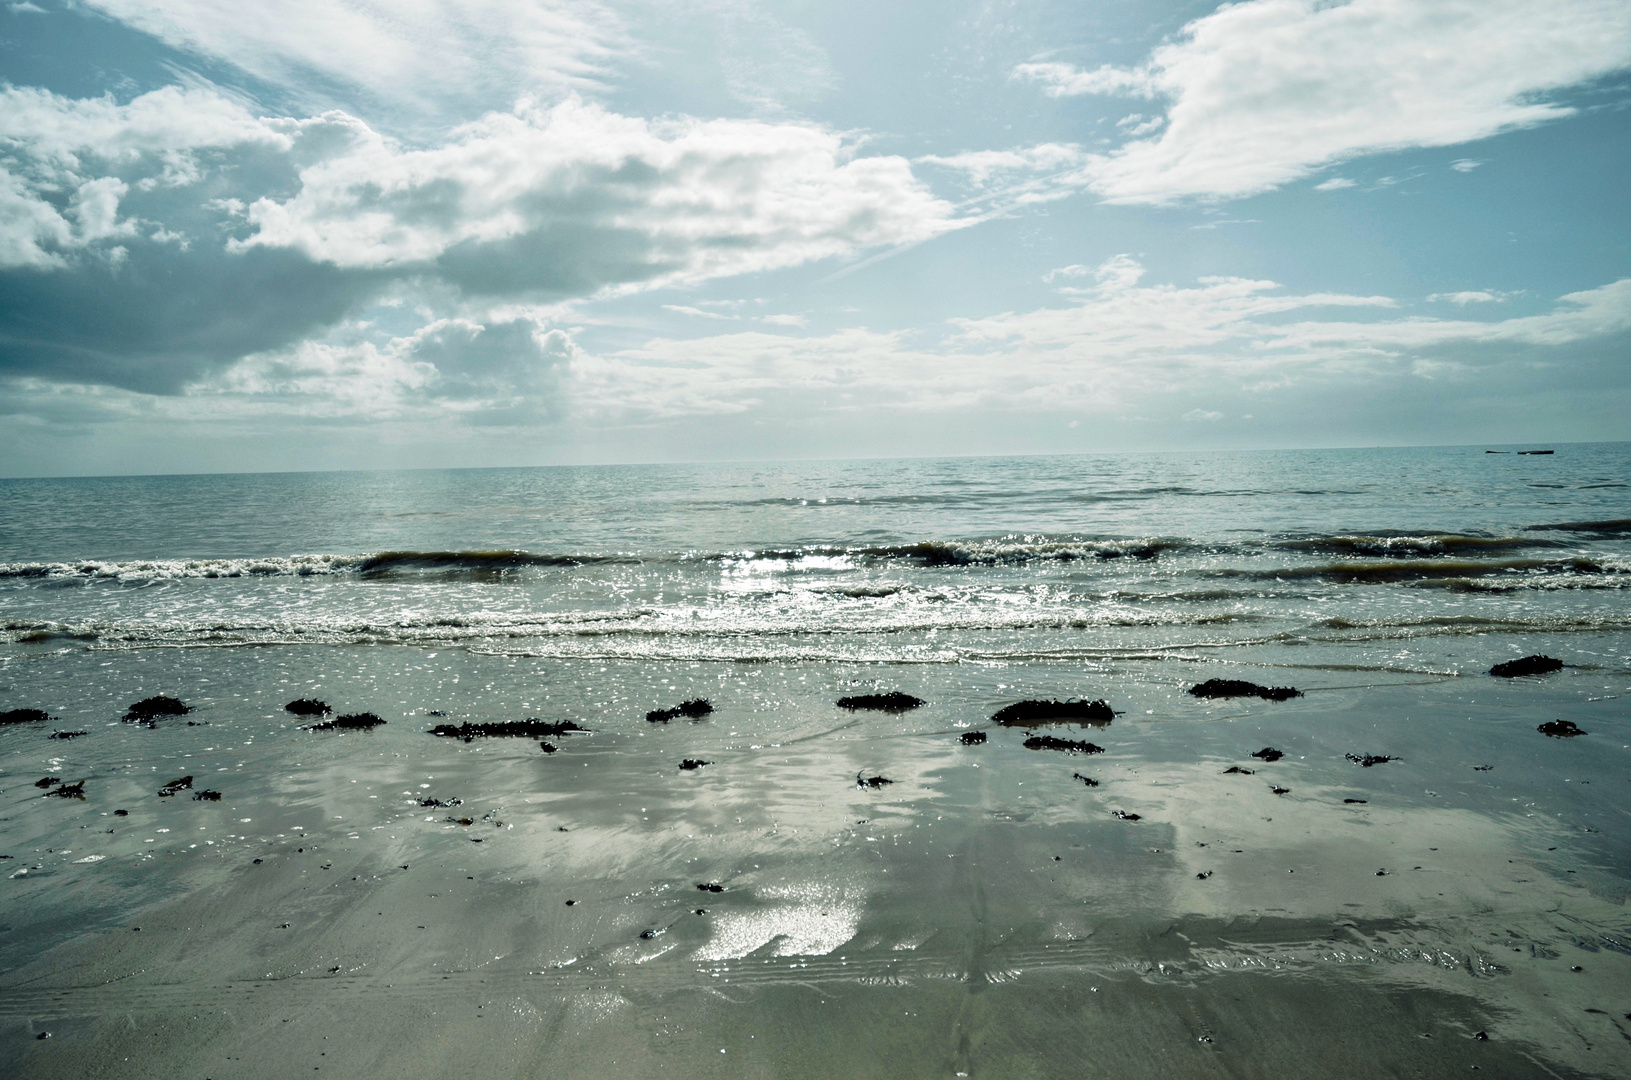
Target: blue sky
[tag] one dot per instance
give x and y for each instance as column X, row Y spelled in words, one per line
column 324, row 234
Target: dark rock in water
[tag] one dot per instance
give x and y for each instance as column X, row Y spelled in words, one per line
column 1088, row 780
column 1238, row 769
column 1203, row 875
column 66, row 734
column 1528, row 665
column 649, row 934
column 362, row 721
column 547, row 747
column 428, row 801
column 207, row 796
column 1560, row 729
column 1125, row 816
column 894, row 701
column 435, row 712
column 973, row 738
column 1367, row 760
column 47, row 781
column 696, row 709
column 1026, row 713
column 516, row 729
column 1279, row 790
column 198, row 723
column 1268, row 753
column 152, row 708
column 1074, row 746
column 1494, row 451
column 25, row 716
column 1482, row 768
column 1232, row 688
column 1351, row 802
column 69, row 791
column 710, row 886
column 691, row 764
column 1481, row 1036
column 121, row 813
column 174, row 786
column 871, row 781
column 308, row 707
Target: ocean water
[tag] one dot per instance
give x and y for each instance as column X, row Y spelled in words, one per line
column 987, row 912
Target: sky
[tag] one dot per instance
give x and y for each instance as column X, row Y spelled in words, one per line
column 314, row 234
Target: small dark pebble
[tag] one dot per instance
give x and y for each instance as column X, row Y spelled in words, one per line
column 308, row 707
column 154, row 707
column 1482, row 768
column 691, row 764
column 25, row 716
column 894, row 701
column 334, row 969
column 47, row 781
column 43, row 1035
column 1560, row 729
column 1231, row 688
column 1088, row 780
column 362, row 721
column 1124, row 816
column 1367, row 760
column 1528, row 665
column 1576, row 967
column 69, row 791
column 66, row 734
column 1074, row 746
column 1481, row 1036
column 1237, row 769
column 121, row 813
column 1381, row 873
column 696, row 709
column 198, row 723
column 1022, row 713
column 174, row 786
column 524, row 729
column 207, row 796
column 871, row 781
column 649, row 934
column 1279, row 790
column 428, row 801
column 547, row 747
column 258, row 861
column 1359, row 801
column 1268, row 753
column 1057, row 859
column 700, row 911
column 710, row 886
column 1204, row 874
column 973, row 738
column 571, row 903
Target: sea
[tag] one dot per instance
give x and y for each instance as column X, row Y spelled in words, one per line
column 1383, row 584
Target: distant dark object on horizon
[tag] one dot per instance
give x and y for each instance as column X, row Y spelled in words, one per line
column 308, row 707
column 1024, row 713
column 1268, row 753
column 1072, row 746
column 973, row 738
column 25, row 716
column 1496, row 451
column 696, row 709
column 894, row 701
column 149, row 709
column 1231, row 688
column 522, row 729
column 1536, row 453
column 362, row 721
column 1560, row 729
column 1528, row 665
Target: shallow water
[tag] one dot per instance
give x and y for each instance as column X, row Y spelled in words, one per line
column 983, row 914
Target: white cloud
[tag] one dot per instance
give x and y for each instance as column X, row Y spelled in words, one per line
column 1266, row 92
column 698, row 312
column 983, row 166
column 1472, row 297
column 1074, row 270
column 420, row 53
column 1465, row 165
column 678, row 201
column 25, row 8
column 1336, row 183
column 785, row 320
column 1201, row 415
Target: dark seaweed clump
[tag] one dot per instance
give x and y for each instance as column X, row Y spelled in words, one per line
column 1088, row 780
column 1367, row 760
column 207, row 796
column 150, row 709
column 428, row 801
column 1560, row 729
column 696, row 709
column 546, row 746
column 516, row 729
column 1125, row 816
column 25, row 716
column 1048, row 712
column 1074, row 746
column 691, row 764
column 1230, row 688
column 871, row 781
column 69, row 791
column 1237, row 769
column 362, row 721
column 1528, row 665
column 973, row 738
column 47, row 781
column 1268, row 753
column 710, row 886
column 308, row 707
column 66, row 734
column 174, row 786
column 894, row 701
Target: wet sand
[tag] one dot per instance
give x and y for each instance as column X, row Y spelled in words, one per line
column 984, row 914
